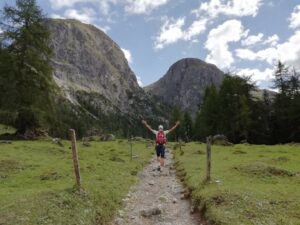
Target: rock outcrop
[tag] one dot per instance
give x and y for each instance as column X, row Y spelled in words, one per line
column 185, row 82
column 93, row 73
column 87, row 60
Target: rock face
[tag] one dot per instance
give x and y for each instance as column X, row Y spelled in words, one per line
column 87, row 60
column 92, row 72
column 185, row 82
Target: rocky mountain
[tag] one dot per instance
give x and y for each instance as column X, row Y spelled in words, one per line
column 185, row 82
column 93, row 74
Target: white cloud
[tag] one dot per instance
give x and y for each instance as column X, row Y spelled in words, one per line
column 258, row 76
column 86, row 15
column 196, row 28
column 139, row 80
column 127, row 54
column 105, row 28
column 269, row 55
column 253, row 39
column 272, row 40
column 130, row 6
column 102, row 5
column 56, row 16
column 143, row 6
column 218, row 40
column 295, row 18
column 206, row 13
column 1, row 31
column 237, row 8
column 86, row 18
column 288, row 52
column 172, row 31
column 105, row 5
column 256, row 40
column 57, row 4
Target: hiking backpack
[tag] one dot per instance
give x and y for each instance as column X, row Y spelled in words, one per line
column 160, row 138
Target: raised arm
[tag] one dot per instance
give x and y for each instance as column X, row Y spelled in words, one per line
column 146, row 125
column 175, row 126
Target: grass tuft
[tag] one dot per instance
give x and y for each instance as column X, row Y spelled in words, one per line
column 261, row 169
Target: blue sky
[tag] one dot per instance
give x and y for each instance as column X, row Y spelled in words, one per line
column 241, row 36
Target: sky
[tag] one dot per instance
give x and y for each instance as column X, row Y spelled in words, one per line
column 245, row 37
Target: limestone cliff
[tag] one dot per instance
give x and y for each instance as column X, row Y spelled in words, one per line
column 93, row 73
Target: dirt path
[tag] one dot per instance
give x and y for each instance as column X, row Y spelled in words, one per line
column 156, row 199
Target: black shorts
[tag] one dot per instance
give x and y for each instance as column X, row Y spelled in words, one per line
column 160, row 150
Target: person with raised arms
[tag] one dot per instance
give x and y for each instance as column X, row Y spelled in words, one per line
column 161, row 141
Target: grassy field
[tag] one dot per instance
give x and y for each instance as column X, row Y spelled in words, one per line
column 6, row 129
column 251, row 184
column 36, row 181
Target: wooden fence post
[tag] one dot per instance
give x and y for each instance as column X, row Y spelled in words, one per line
column 180, row 145
column 75, row 158
column 208, row 157
column 131, row 156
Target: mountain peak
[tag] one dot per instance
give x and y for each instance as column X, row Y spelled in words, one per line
column 185, row 82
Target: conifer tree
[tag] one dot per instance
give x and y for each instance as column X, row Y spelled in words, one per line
column 26, row 39
column 285, row 111
column 176, row 115
column 187, row 127
column 207, row 121
column 235, row 107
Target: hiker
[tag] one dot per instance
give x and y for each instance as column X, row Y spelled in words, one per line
column 160, row 141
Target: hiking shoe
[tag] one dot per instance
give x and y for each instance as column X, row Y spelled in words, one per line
column 158, row 168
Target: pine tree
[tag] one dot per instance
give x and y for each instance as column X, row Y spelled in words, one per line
column 261, row 120
column 187, row 127
column 235, row 103
column 8, row 92
column 286, row 122
column 176, row 115
column 207, row 121
column 26, row 39
column 244, row 117
column 294, row 83
column 281, row 77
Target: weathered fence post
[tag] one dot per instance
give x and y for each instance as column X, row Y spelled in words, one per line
column 75, row 158
column 131, row 147
column 208, row 157
column 180, row 145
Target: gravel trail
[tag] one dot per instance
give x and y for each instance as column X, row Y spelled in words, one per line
column 157, row 199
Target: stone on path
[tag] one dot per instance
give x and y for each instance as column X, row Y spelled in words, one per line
column 151, row 182
column 151, row 212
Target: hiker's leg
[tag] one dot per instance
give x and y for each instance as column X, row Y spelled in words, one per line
column 162, row 159
column 157, row 153
column 162, row 162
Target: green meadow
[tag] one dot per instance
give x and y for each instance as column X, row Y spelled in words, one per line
column 6, row 129
column 37, row 181
column 250, row 184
